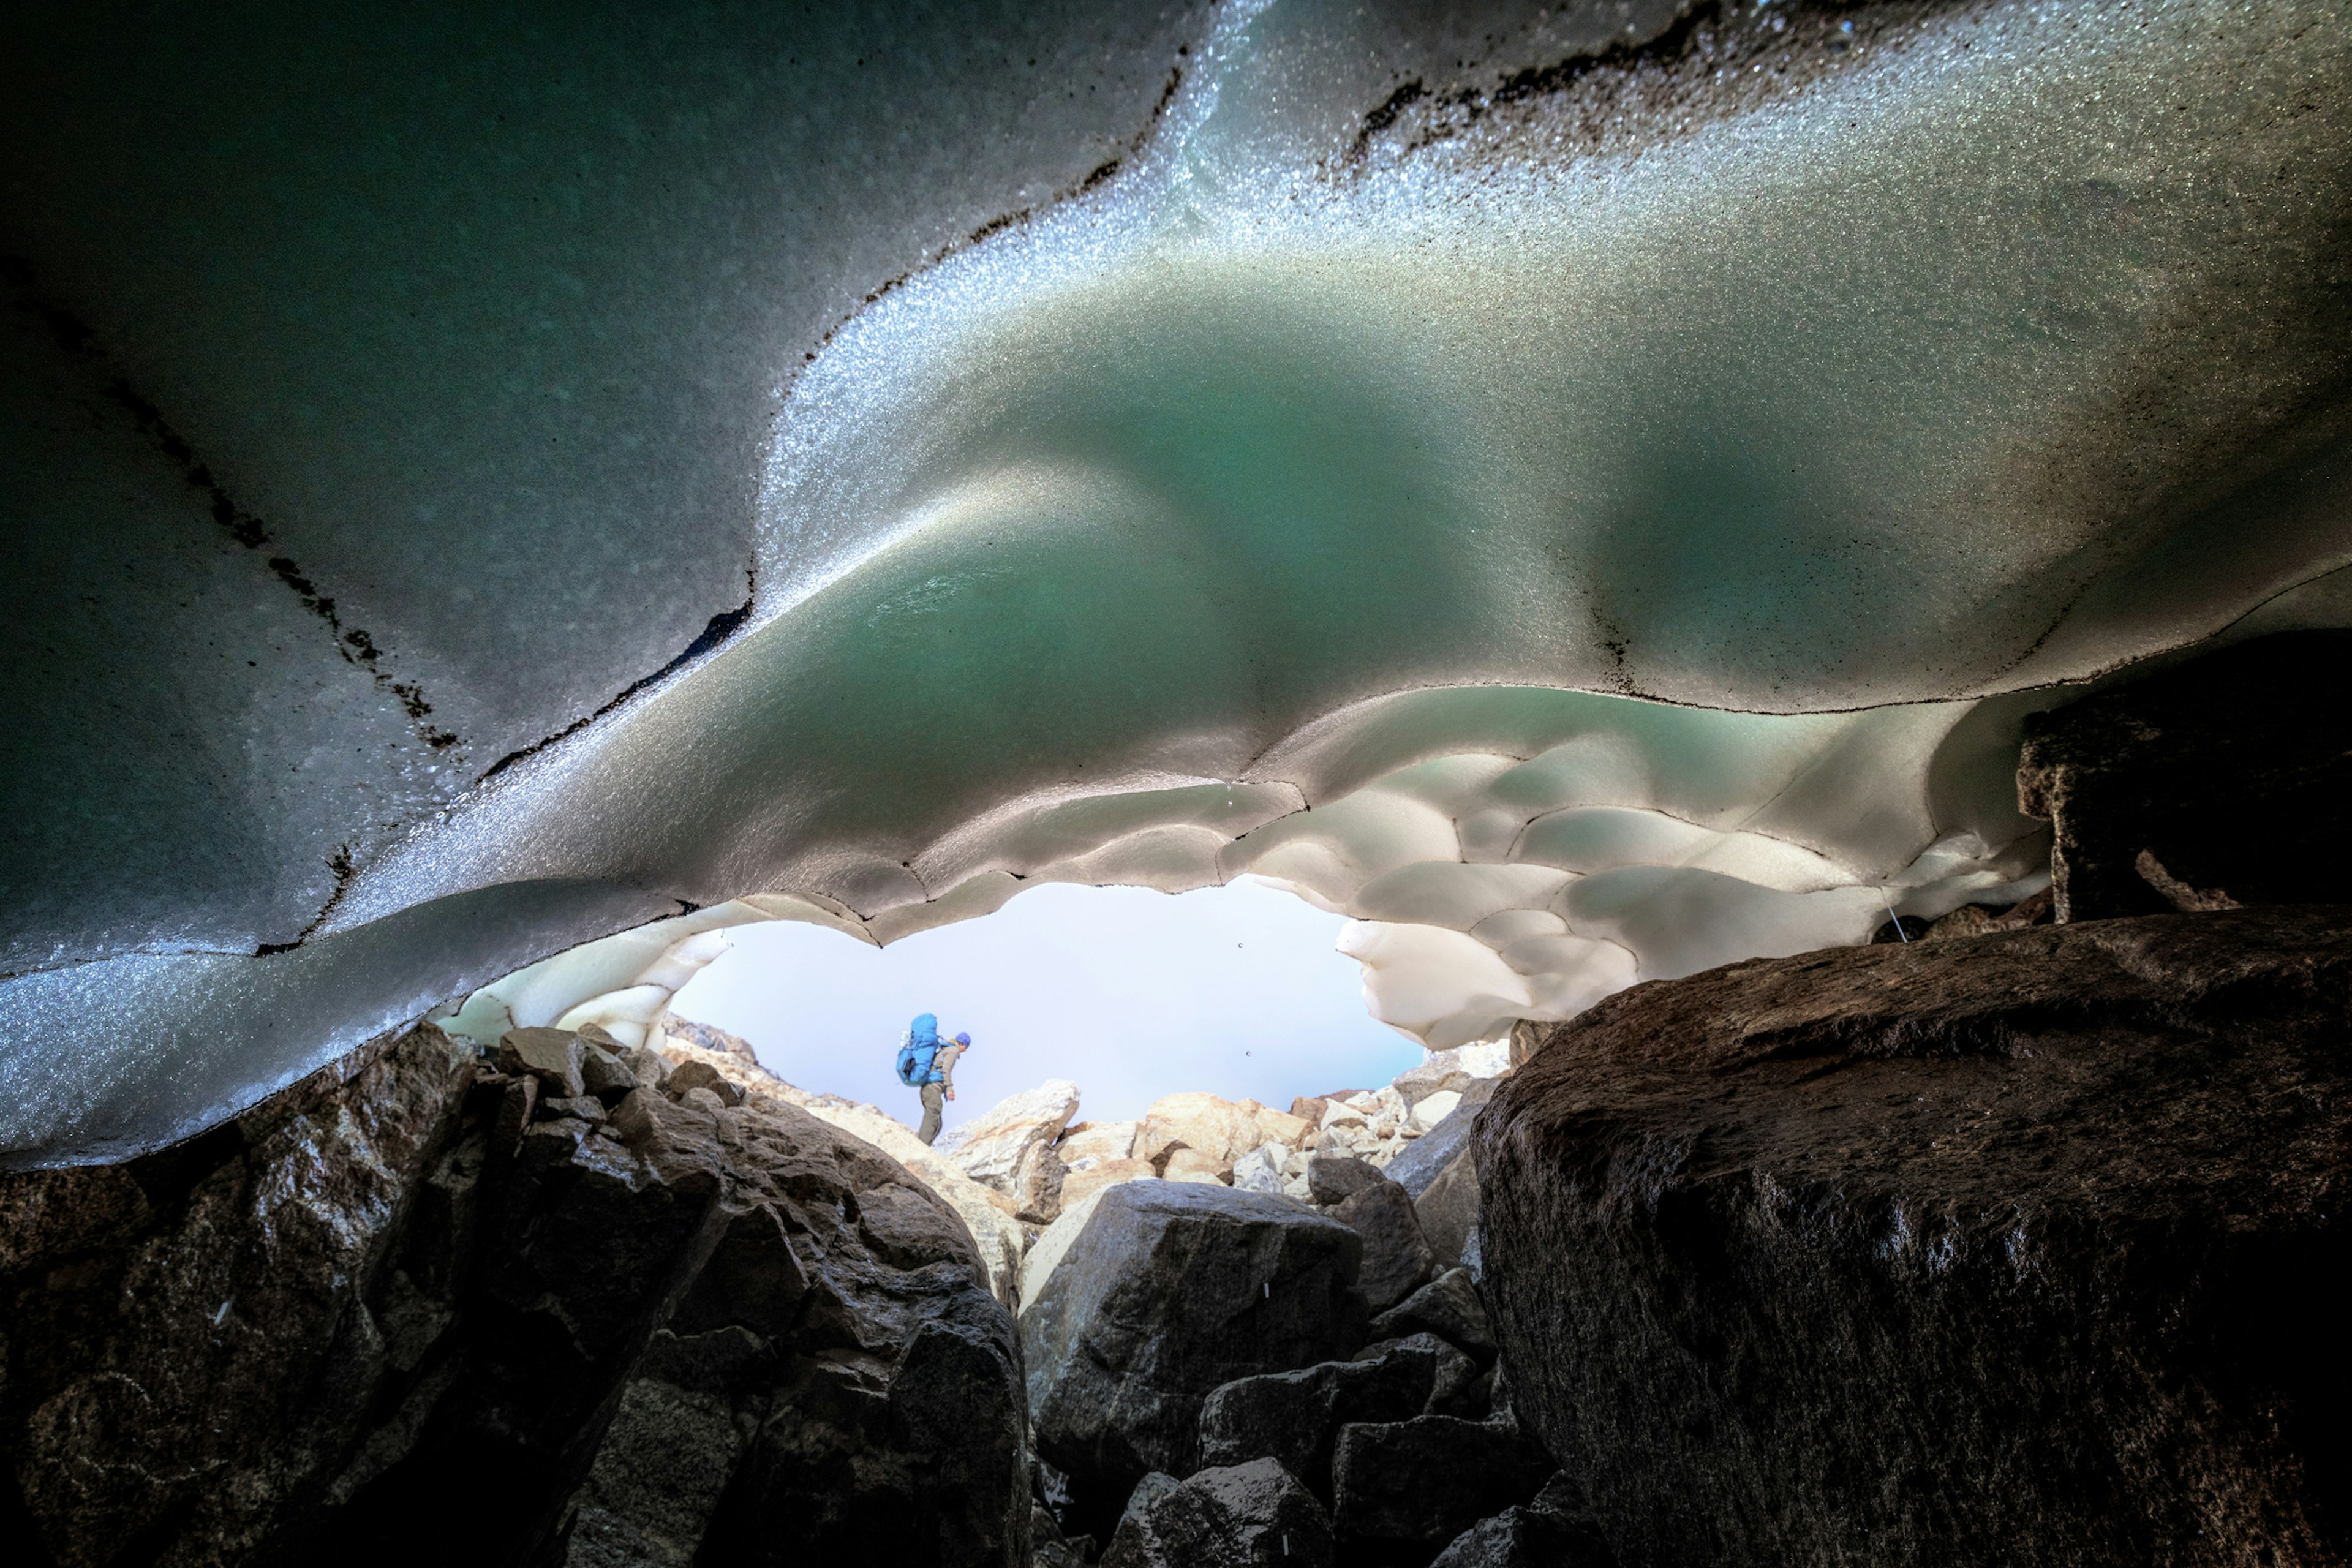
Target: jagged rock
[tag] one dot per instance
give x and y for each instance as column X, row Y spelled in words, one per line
column 1335, row 1178
column 1448, row 1307
column 1397, row 1258
column 1247, row 1516
column 355, row 1318
column 1165, row 1292
column 1419, row 1163
column 690, row 1075
column 1097, row 1140
column 1448, row 1210
column 1527, row 1537
column 1223, row 1130
column 603, row 1075
column 1426, row 1480
column 1260, row 1170
column 1191, row 1165
column 1456, row 1386
column 585, row 1107
column 2022, row 1249
column 1082, row 1182
column 1452, row 1071
column 1010, row 1147
column 2230, row 771
column 710, row 1038
column 1296, row 1416
column 551, row 1056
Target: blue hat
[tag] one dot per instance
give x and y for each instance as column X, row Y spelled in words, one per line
column 962, row 1039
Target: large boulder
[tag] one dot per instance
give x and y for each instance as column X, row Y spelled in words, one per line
column 2228, row 774
column 1221, row 1130
column 1397, row 1257
column 1295, row 1416
column 1448, row 1211
column 2024, row 1248
column 1424, row 1159
column 399, row 1313
column 1255, row 1515
column 1166, row 1291
column 1009, row 1148
column 1422, row 1482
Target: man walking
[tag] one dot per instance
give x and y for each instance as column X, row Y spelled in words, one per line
column 927, row 1062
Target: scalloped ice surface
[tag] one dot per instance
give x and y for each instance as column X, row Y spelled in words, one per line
column 1588, row 529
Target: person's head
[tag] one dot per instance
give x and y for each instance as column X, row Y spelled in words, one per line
column 964, row 1040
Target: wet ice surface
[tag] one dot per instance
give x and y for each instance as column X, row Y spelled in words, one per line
column 1577, row 560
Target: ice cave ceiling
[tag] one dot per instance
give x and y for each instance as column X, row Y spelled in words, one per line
column 1588, row 491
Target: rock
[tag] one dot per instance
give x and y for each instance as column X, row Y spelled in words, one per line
column 690, row 1075
column 648, row 1066
column 1079, row 1185
column 1335, row 1178
column 1246, row 1516
column 1397, row 1259
column 551, row 1056
column 1448, row 1307
column 2229, row 771
column 986, row 1213
column 1171, row 1290
column 2045, row 1225
column 1010, row 1147
column 1448, row 1210
column 1455, row 1386
column 707, row 1037
column 585, row 1107
column 603, row 1075
column 1528, row 1538
column 1296, row 1416
column 1433, row 1108
column 1426, row 1480
column 1260, row 1170
column 355, row 1320
column 1420, row 1162
column 1452, row 1071
column 1221, row 1130
column 1191, row 1165
column 1097, row 1140
column 1279, row 1129
column 701, row 1097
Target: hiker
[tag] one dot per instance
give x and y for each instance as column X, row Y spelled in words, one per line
column 927, row 1062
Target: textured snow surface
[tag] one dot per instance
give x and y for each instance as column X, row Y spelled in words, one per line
column 1588, row 529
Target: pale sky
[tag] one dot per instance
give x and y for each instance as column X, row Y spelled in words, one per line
column 1132, row 994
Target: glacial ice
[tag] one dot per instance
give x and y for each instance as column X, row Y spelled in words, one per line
column 1582, row 538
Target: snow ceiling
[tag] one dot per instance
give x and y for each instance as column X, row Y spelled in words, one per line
column 1590, row 492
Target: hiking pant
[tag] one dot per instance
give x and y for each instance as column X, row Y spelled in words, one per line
column 934, row 1105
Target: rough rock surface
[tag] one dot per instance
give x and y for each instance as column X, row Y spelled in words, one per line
column 1422, row 1482
column 1448, row 1307
column 1097, row 1140
column 1397, row 1257
column 1009, row 1148
column 1248, row 1516
column 1167, row 1291
column 376, row 1319
column 1424, row 1159
column 2025, row 1247
column 1335, row 1178
column 1296, row 1416
column 1448, row 1211
column 1223, row 1130
column 1527, row 1537
column 2230, row 770
column 1082, row 1182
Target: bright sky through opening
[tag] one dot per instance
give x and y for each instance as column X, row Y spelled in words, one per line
column 1236, row 991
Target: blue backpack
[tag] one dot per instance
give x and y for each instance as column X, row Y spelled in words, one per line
column 916, row 1051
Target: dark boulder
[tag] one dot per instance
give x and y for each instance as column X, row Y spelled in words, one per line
column 379, row 1320
column 1448, row 1307
column 2028, row 1248
column 1397, row 1257
column 1422, row 1482
column 1422, row 1161
column 1172, row 1290
column 1295, row 1416
column 1528, row 1538
column 1448, row 1211
column 1336, row 1178
column 1247, row 1516
column 2228, row 773
column 1457, row 1386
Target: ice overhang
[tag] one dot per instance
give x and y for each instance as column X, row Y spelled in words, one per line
column 1587, row 521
